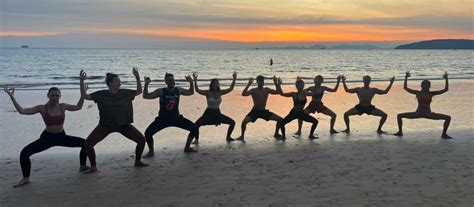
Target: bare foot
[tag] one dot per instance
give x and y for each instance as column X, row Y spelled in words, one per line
column 230, row 139
column 189, row 150
column 140, row 164
column 196, row 142
column 83, row 168
column 298, row 133
column 379, row 131
column 332, row 131
column 446, row 136
column 149, row 154
column 22, row 182
column 312, row 137
column 91, row 170
column 347, row 131
column 399, row 133
column 240, row 139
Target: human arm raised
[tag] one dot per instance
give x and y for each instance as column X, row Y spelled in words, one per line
column 335, row 87
column 198, row 90
column 347, row 89
column 21, row 110
column 378, row 91
column 155, row 94
column 190, row 91
column 405, row 84
column 82, row 77
column 446, row 86
column 246, row 91
column 137, row 78
column 234, row 78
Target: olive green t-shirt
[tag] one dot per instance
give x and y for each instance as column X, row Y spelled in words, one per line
column 114, row 109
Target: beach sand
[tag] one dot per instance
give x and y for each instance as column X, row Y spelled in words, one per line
column 360, row 169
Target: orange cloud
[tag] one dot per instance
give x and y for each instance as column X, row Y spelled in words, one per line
column 309, row 33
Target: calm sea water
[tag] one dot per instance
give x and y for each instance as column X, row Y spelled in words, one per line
column 41, row 68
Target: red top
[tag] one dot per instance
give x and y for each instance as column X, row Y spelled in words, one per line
column 53, row 120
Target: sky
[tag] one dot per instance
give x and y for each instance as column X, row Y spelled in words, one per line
column 223, row 23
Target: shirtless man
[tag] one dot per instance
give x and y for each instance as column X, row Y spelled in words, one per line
column 259, row 97
column 366, row 94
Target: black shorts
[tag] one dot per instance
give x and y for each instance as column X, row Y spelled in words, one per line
column 213, row 117
column 255, row 114
column 364, row 109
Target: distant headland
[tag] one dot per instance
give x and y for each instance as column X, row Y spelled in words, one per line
column 454, row 44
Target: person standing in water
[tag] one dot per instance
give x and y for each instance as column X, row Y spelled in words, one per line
column 424, row 97
column 259, row 97
column 53, row 113
column 316, row 104
column 116, row 115
column 169, row 115
column 365, row 95
column 271, row 61
column 212, row 115
column 297, row 112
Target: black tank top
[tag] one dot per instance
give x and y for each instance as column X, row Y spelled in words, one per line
column 297, row 102
column 169, row 103
column 318, row 96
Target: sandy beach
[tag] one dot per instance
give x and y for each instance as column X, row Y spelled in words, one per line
column 360, row 169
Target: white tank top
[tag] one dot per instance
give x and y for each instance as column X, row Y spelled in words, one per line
column 213, row 103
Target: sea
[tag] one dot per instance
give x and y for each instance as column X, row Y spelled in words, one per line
column 41, row 68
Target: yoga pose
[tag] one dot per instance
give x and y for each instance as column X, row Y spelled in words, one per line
column 168, row 115
column 297, row 112
column 53, row 114
column 259, row 97
column 424, row 97
column 116, row 115
column 316, row 104
column 212, row 115
column 365, row 95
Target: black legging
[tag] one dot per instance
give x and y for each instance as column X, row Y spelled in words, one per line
column 299, row 114
column 164, row 122
column 47, row 140
column 214, row 117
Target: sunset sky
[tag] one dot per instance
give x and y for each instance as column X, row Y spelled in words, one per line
column 143, row 22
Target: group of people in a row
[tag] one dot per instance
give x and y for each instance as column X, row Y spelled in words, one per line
column 116, row 112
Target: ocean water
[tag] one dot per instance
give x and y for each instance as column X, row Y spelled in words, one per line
column 29, row 69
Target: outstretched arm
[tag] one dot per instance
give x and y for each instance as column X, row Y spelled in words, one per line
column 152, row 95
column 246, row 91
column 335, row 87
column 198, row 90
column 347, row 89
column 277, row 82
column 190, row 91
column 405, row 84
column 84, row 95
column 76, row 107
column 21, row 110
column 378, row 91
column 234, row 78
column 446, row 86
column 139, row 84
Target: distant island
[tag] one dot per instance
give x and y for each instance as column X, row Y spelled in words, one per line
column 24, row 46
column 454, row 44
column 334, row 47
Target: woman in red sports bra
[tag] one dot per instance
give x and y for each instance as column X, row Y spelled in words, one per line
column 53, row 114
column 424, row 97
